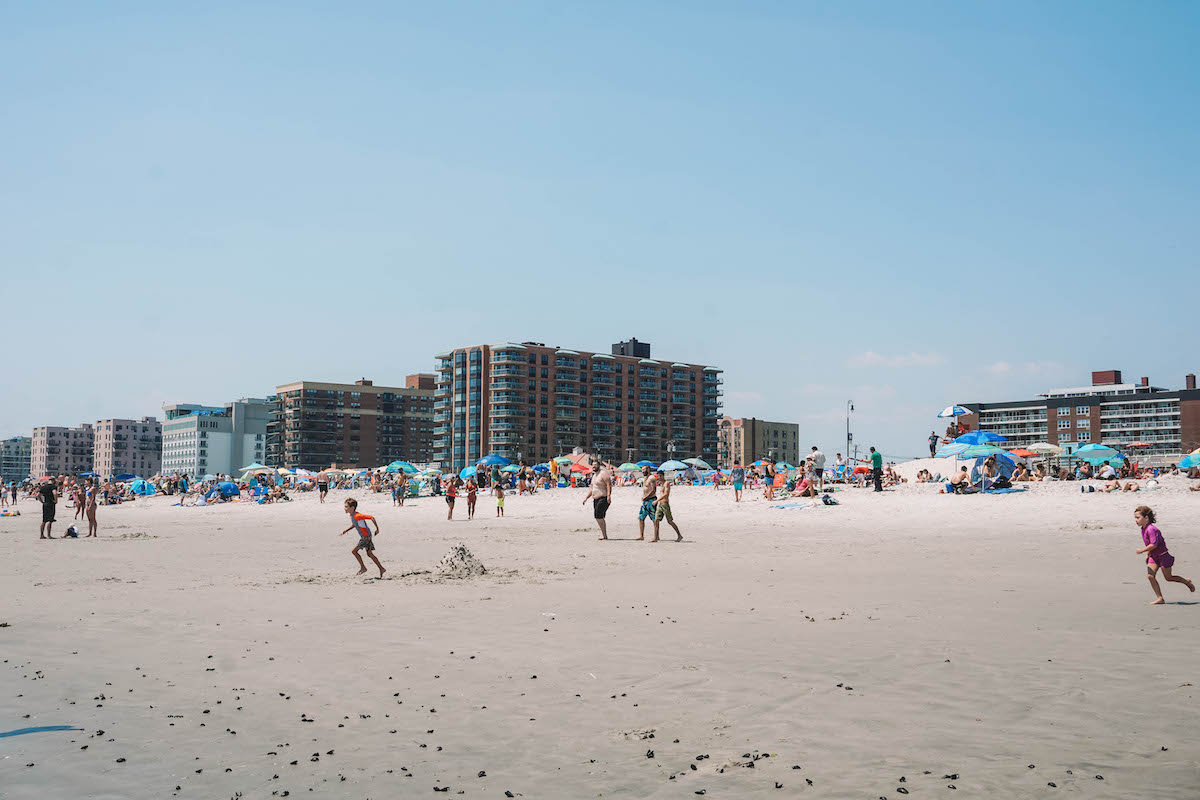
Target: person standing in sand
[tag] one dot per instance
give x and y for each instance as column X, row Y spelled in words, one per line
column 366, row 541
column 451, row 493
column 498, row 492
column 49, row 500
column 472, row 495
column 646, row 509
column 90, row 508
column 600, row 493
column 818, row 464
column 323, row 484
column 1157, row 555
column 662, row 509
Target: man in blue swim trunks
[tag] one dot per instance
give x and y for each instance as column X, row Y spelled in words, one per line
column 646, row 509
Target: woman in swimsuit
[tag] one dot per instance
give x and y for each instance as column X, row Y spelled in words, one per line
column 91, row 510
column 472, row 490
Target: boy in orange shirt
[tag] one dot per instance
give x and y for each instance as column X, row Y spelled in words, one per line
column 366, row 540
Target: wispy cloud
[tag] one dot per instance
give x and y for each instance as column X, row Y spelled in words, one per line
column 1000, row 368
column 1026, row 368
column 902, row 360
column 750, row 398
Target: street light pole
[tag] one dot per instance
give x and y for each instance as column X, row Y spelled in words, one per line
column 849, row 436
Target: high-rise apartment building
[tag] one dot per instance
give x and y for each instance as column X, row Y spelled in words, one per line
column 1146, row 422
column 314, row 425
column 531, row 402
column 198, row 440
column 128, row 446
column 15, row 459
column 744, row 441
column 58, row 451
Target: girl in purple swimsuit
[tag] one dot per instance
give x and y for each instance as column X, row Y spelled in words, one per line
column 1157, row 555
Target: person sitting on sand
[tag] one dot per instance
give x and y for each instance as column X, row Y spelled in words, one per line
column 960, row 481
column 366, row 540
column 805, row 488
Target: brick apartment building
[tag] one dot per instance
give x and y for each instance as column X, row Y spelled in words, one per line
column 61, row 451
column 533, row 402
column 314, row 424
column 1162, row 424
column 128, row 446
column 744, row 441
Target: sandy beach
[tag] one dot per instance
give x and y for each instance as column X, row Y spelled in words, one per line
column 903, row 643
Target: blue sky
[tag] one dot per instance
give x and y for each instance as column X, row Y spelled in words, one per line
column 903, row 204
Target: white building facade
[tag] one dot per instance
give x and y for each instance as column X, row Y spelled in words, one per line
column 218, row 440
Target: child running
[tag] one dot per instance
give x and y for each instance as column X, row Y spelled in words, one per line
column 472, row 492
column 366, row 541
column 1157, row 556
column 498, row 491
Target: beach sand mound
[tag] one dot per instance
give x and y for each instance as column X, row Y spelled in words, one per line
column 460, row 563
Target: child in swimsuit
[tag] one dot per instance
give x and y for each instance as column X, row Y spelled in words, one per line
column 451, row 492
column 498, row 490
column 366, row 540
column 1157, row 556
column 472, row 491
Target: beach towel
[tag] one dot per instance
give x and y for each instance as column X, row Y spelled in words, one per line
column 1009, row 490
column 795, row 505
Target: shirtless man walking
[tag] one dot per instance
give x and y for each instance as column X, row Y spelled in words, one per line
column 600, row 493
column 323, row 484
column 662, row 510
column 646, row 509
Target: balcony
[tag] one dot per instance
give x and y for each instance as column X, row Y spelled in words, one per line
column 566, row 375
column 648, row 372
column 507, row 411
column 603, row 393
column 506, row 383
column 712, row 380
column 498, row 438
column 603, row 380
column 565, row 388
column 567, row 428
column 651, row 397
column 502, row 426
column 710, row 389
column 500, row 371
column 607, row 404
column 600, row 417
column 572, row 415
column 566, row 402
column 1145, row 425
column 507, row 397
column 683, row 399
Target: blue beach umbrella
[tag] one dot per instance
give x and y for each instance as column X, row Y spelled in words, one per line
column 649, row 464
column 540, row 468
column 124, row 476
column 228, row 489
column 1189, row 461
column 672, row 465
column 1095, row 453
column 979, row 437
column 402, row 466
column 468, row 472
column 952, row 449
column 952, row 411
column 493, row 459
column 89, row 475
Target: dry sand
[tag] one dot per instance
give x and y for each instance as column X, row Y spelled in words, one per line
column 909, row 640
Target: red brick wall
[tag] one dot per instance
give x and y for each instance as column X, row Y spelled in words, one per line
column 1189, row 423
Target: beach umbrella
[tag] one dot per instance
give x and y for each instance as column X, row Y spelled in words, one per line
column 1044, row 448
column 861, row 470
column 979, row 437
column 698, row 463
column 1095, row 453
column 284, row 471
column 209, row 477
column 581, row 468
column 89, row 475
column 1021, row 452
column 510, row 468
column 1189, row 461
column 783, row 465
column 124, row 476
column 254, row 467
column 627, row 467
column 672, row 466
column 467, row 472
column 564, row 460
column 952, row 411
column 540, row 468
column 983, row 451
column 950, row 450
column 649, row 464
column 402, row 466
column 492, row 460
column 228, row 489
column 1138, row 444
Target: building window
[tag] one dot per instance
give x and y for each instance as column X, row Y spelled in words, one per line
column 1085, row 436
column 1083, row 411
column 1083, row 423
column 1066, row 437
column 1063, row 424
column 1064, row 411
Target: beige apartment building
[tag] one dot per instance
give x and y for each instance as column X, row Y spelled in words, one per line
column 744, row 441
column 128, row 446
column 58, row 451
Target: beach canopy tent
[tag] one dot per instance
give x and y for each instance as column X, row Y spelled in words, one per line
column 467, row 472
column 952, row 411
column 1095, row 453
column 628, row 467
column 672, row 466
column 698, row 463
column 142, row 487
column 228, row 488
column 492, row 460
column 125, row 476
column 649, row 464
column 1004, row 466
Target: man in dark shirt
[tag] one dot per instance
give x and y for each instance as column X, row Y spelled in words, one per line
column 49, row 499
